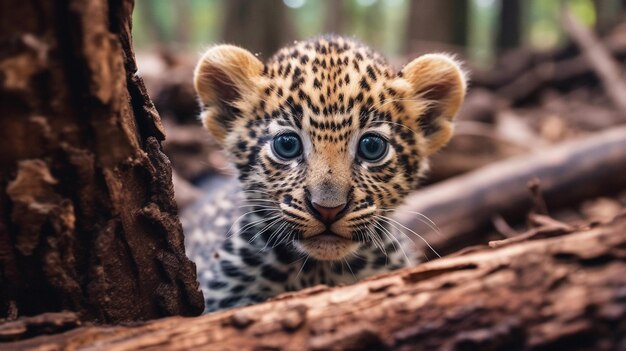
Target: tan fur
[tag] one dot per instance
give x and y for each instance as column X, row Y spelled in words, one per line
column 442, row 72
column 223, row 68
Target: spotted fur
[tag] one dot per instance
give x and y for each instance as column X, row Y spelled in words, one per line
column 261, row 236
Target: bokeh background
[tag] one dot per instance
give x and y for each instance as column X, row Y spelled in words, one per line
column 532, row 86
column 478, row 29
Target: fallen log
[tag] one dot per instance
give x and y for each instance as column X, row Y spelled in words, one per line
column 464, row 206
column 557, row 293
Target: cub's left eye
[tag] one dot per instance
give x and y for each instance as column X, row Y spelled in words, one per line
column 287, row 146
column 372, row 147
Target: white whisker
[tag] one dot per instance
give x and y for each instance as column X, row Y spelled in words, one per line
column 428, row 222
column 387, row 219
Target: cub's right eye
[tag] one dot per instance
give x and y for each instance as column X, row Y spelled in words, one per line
column 287, row 146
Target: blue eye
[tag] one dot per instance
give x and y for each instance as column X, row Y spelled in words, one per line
column 372, row 147
column 287, row 146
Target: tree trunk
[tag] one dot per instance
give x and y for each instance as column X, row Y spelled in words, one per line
column 509, row 34
column 336, row 17
column 87, row 217
column 261, row 26
column 608, row 13
column 437, row 21
column 558, row 293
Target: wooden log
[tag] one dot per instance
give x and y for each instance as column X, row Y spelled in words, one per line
column 557, row 293
column 88, row 221
column 463, row 206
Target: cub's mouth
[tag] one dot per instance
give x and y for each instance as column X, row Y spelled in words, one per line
column 327, row 246
column 327, row 237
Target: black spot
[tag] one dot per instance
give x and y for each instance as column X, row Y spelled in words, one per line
column 249, row 257
column 216, row 284
column 246, row 235
column 228, row 246
column 256, row 298
column 237, row 289
column 247, row 278
column 287, row 70
column 242, row 145
column 229, row 301
column 357, row 264
column 337, row 268
column 284, row 254
column 370, row 72
column 428, row 122
column 381, row 261
column 364, row 85
column 273, row 274
column 230, row 269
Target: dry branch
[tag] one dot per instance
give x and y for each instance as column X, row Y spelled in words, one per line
column 524, row 74
column 559, row 293
column 600, row 59
column 568, row 173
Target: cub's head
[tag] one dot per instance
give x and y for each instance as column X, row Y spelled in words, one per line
column 325, row 135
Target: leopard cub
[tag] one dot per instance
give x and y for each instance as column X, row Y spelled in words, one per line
column 327, row 140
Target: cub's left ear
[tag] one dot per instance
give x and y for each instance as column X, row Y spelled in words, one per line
column 438, row 80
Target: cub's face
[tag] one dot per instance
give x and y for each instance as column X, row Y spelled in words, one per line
column 327, row 138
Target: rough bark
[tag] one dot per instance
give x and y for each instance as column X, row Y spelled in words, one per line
column 554, row 293
column 464, row 206
column 87, row 217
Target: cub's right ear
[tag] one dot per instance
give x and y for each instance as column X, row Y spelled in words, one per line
column 223, row 75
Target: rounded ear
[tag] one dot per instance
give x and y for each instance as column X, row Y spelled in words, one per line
column 439, row 81
column 223, row 75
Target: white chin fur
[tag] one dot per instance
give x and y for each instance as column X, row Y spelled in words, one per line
column 324, row 251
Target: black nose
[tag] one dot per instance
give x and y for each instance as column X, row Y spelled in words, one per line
column 328, row 214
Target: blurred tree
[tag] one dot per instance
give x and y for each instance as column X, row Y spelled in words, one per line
column 510, row 31
column 183, row 22
column 442, row 21
column 374, row 23
column 155, row 30
column 608, row 13
column 261, row 26
column 337, row 18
